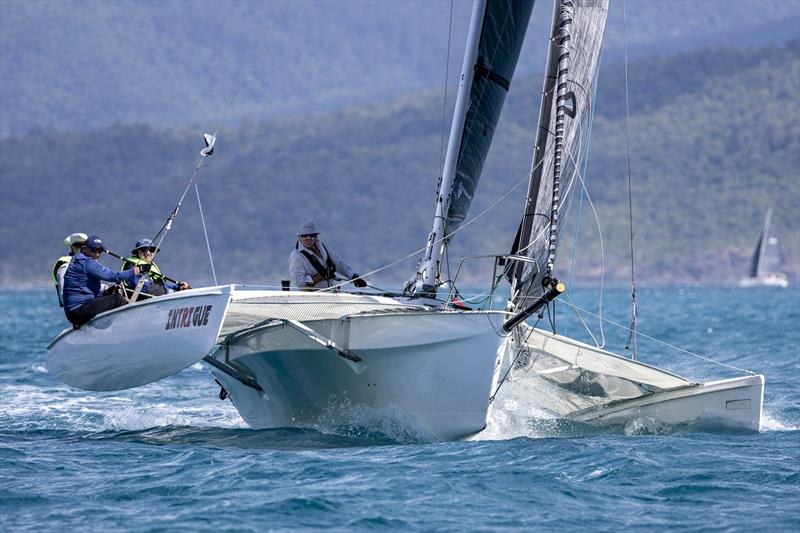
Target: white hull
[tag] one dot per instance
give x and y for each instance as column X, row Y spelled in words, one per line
column 433, row 370
column 580, row 382
column 767, row 280
column 732, row 403
column 140, row 343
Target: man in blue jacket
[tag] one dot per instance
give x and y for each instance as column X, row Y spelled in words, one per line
column 82, row 299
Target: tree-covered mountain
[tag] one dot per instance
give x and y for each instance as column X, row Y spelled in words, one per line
column 87, row 64
column 715, row 141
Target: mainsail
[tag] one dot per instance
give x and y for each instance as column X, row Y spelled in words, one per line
column 489, row 64
column 562, row 142
column 765, row 255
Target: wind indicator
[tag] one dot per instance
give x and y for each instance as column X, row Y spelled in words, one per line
column 210, row 139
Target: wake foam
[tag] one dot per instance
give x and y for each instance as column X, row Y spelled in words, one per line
column 773, row 422
column 341, row 417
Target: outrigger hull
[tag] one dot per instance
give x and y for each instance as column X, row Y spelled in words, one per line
column 731, row 404
column 140, row 343
column 581, row 382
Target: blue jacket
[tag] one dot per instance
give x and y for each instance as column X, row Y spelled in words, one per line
column 82, row 280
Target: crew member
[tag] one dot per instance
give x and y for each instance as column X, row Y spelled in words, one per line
column 82, row 291
column 313, row 265
column 144, row 251
column 74, row 242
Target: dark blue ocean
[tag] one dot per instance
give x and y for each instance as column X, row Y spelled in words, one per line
column 172, row 456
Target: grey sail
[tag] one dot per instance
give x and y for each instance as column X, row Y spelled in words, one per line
column 767, row 257
column 497, row 32
column 502, row 34
column 562, row 140
column 757, row 262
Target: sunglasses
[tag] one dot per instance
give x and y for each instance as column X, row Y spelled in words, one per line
column 309, row 235
column 147, row 250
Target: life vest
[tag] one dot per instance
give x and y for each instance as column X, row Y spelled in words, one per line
column 61, row 261
column 155, row 273
column 326, row 273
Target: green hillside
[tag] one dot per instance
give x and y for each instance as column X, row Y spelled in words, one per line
column 86, row 64
column 712, row 147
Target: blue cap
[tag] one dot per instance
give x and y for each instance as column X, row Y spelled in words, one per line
column 94, row 243
column 143, row 243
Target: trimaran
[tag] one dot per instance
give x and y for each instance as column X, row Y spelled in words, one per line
column 285, row 357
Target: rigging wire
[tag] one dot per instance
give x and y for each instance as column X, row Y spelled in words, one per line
column 585, row 325
column 460, row 228
column 513, row 363
column 446, row 80
column 632, row 336
column 162, row 233
column 444, row 116
column 593, row 99
column 664, row 343
column 205, row 232
column 602, row 254
column 255, row 51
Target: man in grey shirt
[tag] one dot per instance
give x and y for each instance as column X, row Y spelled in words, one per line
column 312, row 265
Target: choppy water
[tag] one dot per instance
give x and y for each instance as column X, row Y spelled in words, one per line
column 171, row 455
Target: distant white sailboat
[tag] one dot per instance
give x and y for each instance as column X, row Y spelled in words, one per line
column 288, row 358
column 763, row 258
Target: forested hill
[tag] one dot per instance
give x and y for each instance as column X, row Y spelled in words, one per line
column 85, row 64
column 715, row 141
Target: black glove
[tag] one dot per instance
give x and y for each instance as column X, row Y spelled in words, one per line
column 144, row 268
column 358, row 282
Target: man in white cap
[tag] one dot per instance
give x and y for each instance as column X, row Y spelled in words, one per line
column 74, row 242
column 312, row 265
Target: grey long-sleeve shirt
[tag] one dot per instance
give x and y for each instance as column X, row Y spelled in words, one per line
column 301, row 270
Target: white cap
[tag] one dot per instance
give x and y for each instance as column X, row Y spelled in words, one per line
column 75, row 238
column 307, row 228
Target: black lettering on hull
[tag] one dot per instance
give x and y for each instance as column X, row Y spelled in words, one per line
column 187, row 317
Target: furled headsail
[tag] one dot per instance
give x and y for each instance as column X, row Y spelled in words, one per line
column 562, row 142
column 489, row 64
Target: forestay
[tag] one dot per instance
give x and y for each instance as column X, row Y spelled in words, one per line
column 563, row 138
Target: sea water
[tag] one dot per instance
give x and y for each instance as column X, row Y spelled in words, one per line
column 173, row 456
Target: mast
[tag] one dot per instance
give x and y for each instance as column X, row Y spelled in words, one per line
column 537, row 165
column 562, row 144
column 428, row 272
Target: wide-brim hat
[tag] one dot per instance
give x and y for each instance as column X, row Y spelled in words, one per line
column 75, row 239
column 307, row 228
column 141, row 244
